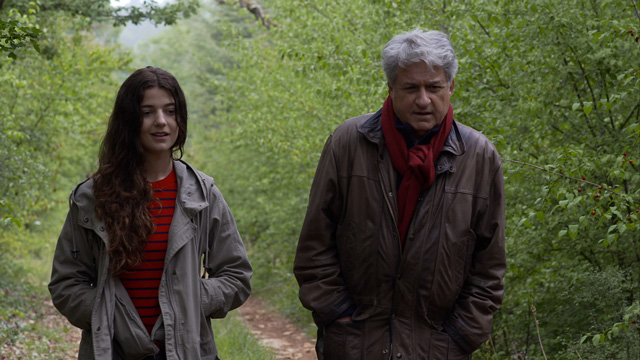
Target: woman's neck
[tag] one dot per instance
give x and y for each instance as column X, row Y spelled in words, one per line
column 157, row 168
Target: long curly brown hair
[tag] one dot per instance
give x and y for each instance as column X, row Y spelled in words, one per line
column 121, row 191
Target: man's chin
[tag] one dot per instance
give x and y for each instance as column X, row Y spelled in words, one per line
column 422, row 128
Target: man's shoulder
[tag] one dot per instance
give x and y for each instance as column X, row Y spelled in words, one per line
column 476, row 142
column 470, row 134
column 353, row 123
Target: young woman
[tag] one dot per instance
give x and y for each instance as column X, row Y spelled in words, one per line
column 128, row 266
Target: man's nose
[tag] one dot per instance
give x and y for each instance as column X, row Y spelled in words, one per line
column 423, row 98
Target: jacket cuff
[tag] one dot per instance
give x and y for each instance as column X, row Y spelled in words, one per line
column 458, row 338
column 335, row 312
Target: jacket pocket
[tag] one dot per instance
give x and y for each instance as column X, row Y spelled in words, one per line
column 208, row 349
column 129, row 334
column 444, row 348
column 343, row 340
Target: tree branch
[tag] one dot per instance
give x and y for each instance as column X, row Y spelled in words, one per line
column 635, row 8
column 561, row 175
column 256, row 9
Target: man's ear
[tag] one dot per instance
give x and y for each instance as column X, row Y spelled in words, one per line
column 453, row 83
column 389, row 87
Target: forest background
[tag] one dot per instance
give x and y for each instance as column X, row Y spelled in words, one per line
column 554, row 84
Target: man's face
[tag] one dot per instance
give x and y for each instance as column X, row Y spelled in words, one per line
column 420, row 96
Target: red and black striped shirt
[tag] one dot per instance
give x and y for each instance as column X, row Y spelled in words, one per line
column 142, row 282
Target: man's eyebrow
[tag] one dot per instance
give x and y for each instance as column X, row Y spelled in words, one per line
column 432, row 82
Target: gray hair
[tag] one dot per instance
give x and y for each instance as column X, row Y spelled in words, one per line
column 432, row 47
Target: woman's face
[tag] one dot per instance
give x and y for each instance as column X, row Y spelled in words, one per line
column 159, row 129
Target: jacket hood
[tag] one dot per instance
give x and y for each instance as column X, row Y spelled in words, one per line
column 191, row 196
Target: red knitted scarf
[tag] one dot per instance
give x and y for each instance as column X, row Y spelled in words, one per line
column 415, row 165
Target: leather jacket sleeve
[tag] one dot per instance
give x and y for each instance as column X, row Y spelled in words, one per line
column 481, row 295
column 316, row 265
column 228, row 268
column 74, row 272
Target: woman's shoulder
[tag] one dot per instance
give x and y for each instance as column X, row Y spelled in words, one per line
column 183, row 168
column 82, row 195
column 83, row 189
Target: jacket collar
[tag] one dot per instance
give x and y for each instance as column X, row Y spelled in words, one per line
column 191, row 194
column 372, row 130
column 191, row 188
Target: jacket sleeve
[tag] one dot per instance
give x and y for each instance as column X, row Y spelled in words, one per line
column 316, row 265
column 229, row 271
column 74, row 273
column 471, row 320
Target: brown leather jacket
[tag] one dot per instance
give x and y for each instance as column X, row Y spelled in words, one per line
column 436, row 298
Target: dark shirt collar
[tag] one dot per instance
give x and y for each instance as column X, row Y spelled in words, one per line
column 407, row 132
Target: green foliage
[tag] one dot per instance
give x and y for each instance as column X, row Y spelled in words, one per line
column 18, row 30
column 52, row 106
column 563, row 95
column 150, row 10
column 101, row 10
column 26, row 327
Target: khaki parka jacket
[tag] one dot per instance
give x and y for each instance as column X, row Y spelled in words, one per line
column 435, row 298
column 84, row 291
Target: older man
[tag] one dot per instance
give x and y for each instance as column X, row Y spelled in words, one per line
column 401, row 254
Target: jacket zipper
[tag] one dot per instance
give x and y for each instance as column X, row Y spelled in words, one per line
column 395, row 223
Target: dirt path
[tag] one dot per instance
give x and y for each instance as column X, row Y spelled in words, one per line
column 63, row 347
column 277, row 332
column 272, row 330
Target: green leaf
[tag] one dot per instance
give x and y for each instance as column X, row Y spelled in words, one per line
column 597, row 339
column 588, row 107
column 622, row 228
column 573, row 231
column 584, row 338
column 615, row 330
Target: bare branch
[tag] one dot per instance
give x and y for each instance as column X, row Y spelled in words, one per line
column 562, row 175
column 256, row 9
